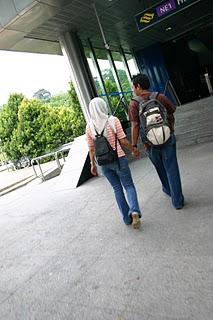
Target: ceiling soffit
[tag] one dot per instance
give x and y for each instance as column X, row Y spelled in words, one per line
column 48, row 19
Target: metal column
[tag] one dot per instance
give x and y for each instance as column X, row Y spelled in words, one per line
column 79, row 70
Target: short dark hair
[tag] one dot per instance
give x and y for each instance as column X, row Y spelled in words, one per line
column 142, row 80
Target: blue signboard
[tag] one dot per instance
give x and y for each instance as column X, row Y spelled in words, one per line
column 161, row 11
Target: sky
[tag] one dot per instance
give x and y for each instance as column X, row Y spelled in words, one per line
column 27, row 73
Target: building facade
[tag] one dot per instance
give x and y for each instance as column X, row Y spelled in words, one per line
column 170, row 41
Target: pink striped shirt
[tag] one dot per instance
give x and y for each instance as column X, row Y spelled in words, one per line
column 110, row 136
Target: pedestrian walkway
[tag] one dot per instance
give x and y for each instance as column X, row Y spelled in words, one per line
column 12, row 180
column 66, row 254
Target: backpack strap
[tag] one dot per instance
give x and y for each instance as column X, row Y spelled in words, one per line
column 99, row 134
column 137, row 98
column 116, row 140
column 153, row 95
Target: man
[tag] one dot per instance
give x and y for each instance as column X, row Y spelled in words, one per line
column 162, row 157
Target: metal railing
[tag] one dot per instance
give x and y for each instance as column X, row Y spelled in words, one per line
column 37, row 160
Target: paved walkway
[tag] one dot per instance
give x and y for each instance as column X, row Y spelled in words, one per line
column 65, row 253
column 12, row 180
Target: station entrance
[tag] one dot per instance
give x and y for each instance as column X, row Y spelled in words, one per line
column 189, row 61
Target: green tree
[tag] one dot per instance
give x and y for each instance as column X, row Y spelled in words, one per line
column 108, row 75
column 65, row 118
column 41, row 128
column 9, row 122
column 31, row 138
column 42, row 95
column 59, row 100
column 31, row 127
column 57, row 128
column 118, row 109
column 97, row 85
column 78, row 123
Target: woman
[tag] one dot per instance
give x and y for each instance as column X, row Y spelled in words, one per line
column 117, row 172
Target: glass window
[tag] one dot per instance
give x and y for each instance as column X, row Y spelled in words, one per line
column 131, row 64
column 110, row 84
column 119, row 101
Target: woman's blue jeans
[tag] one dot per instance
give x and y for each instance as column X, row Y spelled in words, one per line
column 164, row 159
column 119, row 177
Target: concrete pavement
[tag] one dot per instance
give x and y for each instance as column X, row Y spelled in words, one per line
column 12, row 180
column 65, row 253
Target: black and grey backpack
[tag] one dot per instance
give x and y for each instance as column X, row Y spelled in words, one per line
column 154, row 120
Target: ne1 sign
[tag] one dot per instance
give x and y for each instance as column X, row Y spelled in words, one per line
column 161, row 11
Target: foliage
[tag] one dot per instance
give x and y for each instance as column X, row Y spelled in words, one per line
column 59, row 100
column 42, row 95
column 42, row 129
column 34, row 127
column 77, row 119
column 31, row 137
column 119, row 109
column 9, row 121
column 57, row 128
column 108, row 75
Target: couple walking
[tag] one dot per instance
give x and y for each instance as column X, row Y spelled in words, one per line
column 118, row 172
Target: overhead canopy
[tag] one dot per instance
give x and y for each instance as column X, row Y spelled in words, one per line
column 35, row 26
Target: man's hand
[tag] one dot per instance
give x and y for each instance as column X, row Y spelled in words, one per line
column 145, row 146
column 136, row 153
column 135, row 132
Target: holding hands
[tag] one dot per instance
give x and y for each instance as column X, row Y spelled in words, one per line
column 136, row 153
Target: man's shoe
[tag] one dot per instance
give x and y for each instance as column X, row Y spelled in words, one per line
column 135, row 220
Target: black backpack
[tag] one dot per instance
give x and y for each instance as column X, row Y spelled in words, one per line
column 154, row 120
column 104, row 153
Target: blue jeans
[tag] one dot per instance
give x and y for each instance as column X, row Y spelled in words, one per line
column 119, row 177
column 164, row 159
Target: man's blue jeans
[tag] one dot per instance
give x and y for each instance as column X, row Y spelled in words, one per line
column 164, row 159
column 119, row 177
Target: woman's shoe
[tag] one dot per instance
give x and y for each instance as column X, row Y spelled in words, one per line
column 136, row 220
column 180, row 207
column 128, row 223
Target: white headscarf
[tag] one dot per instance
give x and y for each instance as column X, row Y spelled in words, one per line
column 99, row 117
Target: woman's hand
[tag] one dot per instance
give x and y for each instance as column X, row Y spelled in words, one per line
column 94, row 169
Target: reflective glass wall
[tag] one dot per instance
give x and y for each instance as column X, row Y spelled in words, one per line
column 112, row 72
